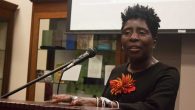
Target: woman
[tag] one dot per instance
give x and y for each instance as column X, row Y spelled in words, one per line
column 143, row 83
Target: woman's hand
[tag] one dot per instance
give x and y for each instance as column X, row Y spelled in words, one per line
column 76, row 101
column 84, row 101
column 61, row 98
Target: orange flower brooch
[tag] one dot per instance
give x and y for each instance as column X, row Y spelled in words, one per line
column 122, row 85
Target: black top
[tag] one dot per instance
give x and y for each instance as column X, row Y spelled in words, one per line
column 156, row 88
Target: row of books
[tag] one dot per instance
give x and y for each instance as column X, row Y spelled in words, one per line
column 55, row 38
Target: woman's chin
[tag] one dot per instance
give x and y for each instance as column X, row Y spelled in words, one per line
column 136, row 58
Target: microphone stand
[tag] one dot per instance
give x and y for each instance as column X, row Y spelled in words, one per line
column 64, row 67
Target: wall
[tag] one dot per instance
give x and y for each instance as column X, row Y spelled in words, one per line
column 20, row 52
column 169, row 53
column 178, row 50
column 187, row 87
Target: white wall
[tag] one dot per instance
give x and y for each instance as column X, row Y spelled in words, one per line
column 105, row 14
column 20, row 52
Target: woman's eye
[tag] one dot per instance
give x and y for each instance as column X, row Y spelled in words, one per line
column 126, row 33
column 142, row 33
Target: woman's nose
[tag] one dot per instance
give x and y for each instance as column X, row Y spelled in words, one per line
column 134, row 37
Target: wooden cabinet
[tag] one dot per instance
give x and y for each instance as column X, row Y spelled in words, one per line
column 46, row 15
column 7, row 11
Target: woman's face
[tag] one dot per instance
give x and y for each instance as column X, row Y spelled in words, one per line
column 137, row 39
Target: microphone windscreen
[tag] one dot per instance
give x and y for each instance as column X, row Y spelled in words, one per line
column 91, row 52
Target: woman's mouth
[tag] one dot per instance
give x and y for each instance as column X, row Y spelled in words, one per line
column 134, row 49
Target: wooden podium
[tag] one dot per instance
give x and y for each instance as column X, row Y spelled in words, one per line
column 6, row 104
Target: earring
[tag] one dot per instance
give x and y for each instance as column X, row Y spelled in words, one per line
column 122, row 47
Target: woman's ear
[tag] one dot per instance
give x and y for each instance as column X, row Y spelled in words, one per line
column 122, row 47
column 154, row 43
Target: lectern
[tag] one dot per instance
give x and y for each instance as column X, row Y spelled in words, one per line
column 6, row 104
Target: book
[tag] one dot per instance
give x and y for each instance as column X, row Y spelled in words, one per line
column 91, row 38
column 44, row 25
column 72, row 74
column 57, row 75
column 47, row 37
column 64, row 40
column 104, row 43
column 57, row 38
column 71, row 41
column 108, row 70
column 95, row 66
column 84, row 41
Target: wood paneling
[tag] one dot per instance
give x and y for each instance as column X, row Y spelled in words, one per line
column 41, row 10
column 50, row 7
column 7, row 11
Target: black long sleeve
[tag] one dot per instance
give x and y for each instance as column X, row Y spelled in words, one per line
column 156, row 88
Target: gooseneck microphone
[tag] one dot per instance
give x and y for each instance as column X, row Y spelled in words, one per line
column 88, row 54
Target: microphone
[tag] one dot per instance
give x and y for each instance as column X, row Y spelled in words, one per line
column 88, row 54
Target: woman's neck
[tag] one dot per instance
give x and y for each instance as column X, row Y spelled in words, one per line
column 142, row 65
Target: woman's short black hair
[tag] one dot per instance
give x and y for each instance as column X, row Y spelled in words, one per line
column 145, row 13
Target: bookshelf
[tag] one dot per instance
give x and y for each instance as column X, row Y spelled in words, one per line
column 52, row 46
column 59, row 47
